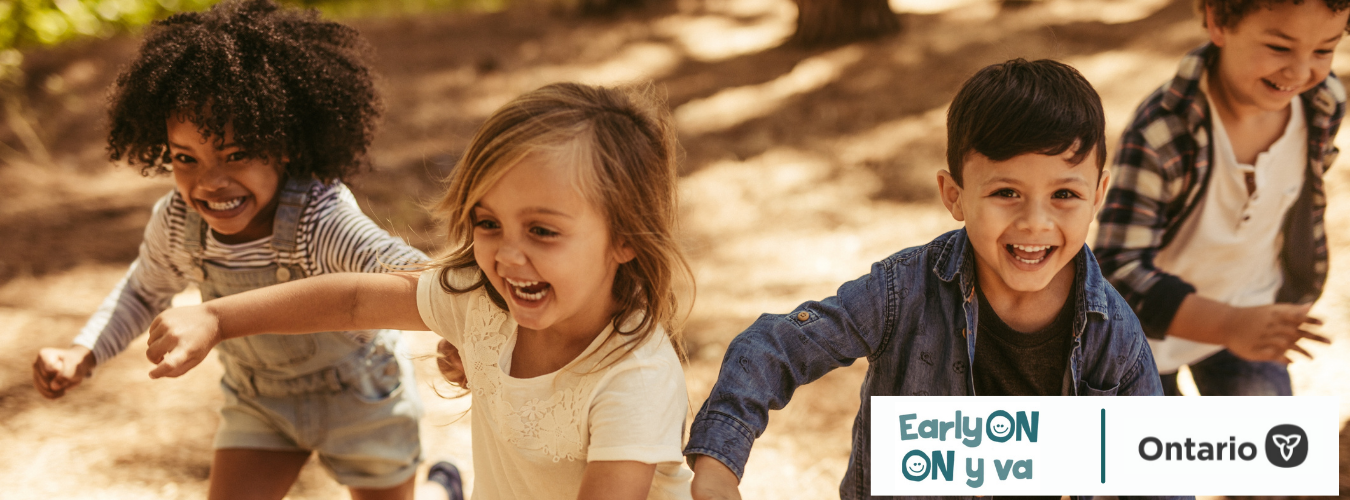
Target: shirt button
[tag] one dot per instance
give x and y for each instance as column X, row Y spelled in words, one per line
column 803, row 316
column 283, row 274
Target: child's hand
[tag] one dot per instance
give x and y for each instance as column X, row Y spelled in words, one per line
column 180, row 338
column 451, row 366
column 714, row 481
column 59, row 369
column 1268, row 333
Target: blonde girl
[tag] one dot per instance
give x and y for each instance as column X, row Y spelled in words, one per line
column 558, row 295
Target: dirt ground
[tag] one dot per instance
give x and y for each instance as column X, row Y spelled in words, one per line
column 803, row 167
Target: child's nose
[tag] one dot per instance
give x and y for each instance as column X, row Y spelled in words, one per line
column 1035, row 217
column 1299, row 71
column 212, row 177
column 509, row 253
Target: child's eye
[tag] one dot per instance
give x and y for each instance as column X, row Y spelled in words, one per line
column 1065, row 194
column 1324, row 52
column 182, row 158
column 1278, row 48
column 1005, row 193
column 542, row 232
column 237, row 156
column 486, row 224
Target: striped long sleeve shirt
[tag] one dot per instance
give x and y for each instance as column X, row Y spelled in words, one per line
column 334, row 236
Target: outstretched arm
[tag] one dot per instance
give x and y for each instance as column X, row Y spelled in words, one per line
column 181, row 337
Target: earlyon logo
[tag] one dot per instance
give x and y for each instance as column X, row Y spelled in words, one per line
column 1286, row 445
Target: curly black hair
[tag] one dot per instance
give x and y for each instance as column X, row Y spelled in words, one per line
column 288, row 82
column 1228, row 12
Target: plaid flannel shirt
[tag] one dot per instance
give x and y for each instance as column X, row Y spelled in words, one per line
column 1161, row 173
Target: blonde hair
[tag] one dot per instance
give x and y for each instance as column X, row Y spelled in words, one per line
column 623, row 147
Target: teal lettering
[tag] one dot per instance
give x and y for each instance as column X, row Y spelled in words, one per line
column 973, row 434
column 1022, row 470
column 929, row 429
column 975, row 471
column 946, row 426
column 1002, row 467
column 905, row 433
column 945, row 467
column 1030, row 428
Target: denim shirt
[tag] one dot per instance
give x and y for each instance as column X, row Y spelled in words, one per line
column 913, row 317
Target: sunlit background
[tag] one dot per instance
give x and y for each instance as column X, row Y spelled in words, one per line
column 803, row 165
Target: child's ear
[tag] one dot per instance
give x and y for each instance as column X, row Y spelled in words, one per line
column 950, row 192
column 1215, row 31
column 1102, row 185
column 622, row 252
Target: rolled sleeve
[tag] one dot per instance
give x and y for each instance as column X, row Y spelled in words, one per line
column 721, row 437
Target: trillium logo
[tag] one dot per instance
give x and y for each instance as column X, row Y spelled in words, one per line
column 1286, row 445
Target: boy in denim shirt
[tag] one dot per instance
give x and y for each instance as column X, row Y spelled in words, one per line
column 1222, row 167
column 1025, row 155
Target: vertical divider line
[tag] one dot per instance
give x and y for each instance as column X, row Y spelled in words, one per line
column 1103, row 445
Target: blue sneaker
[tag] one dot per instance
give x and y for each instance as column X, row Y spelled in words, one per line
column 447, row 475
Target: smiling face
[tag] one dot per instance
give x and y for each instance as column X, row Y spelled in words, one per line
column 233, row 190
column 1276, row 53
column 1026, row 217
column 916, row 465
column 1000, row 426
column 546, row 249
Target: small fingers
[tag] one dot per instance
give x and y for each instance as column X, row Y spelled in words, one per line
column 45, row 386
column 1313, row 337
column 1290, row 314
column 158, row 348
column 1300, row 350
column 173, row 365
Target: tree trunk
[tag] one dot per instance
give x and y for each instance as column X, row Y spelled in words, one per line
column 832, row 22
column 607, row 7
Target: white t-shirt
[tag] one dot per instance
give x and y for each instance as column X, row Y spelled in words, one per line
column 1229, row 247
column 532, row 438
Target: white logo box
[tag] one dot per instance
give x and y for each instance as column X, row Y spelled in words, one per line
column 1091, row 446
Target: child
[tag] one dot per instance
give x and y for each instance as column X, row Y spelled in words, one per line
column 260, row 113
column 1012, row 304
column 558, row 296
column 1222, row 167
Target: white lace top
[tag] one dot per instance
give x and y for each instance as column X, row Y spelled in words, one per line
column 533, row 437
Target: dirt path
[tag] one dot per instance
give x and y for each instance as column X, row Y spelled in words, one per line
column 803, row 168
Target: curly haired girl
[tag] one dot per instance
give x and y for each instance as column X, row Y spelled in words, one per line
column 259, row 113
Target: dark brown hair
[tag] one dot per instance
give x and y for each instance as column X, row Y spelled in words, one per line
column 1020, row 107
column 289, row 83
column 1228, row 13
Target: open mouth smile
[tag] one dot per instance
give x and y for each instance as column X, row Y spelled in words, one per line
column 1030, row 254
column 1274, row 86
column 528, row 291
column 222, row 208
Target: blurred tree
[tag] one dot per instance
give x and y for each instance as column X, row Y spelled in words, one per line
column 831, row 22
column 592, row 7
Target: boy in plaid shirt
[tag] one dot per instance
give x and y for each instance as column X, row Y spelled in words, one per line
column 1213, row 230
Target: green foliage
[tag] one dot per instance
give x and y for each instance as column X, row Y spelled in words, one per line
column 26, row 23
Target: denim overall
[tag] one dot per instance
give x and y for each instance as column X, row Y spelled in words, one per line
column 327, row 392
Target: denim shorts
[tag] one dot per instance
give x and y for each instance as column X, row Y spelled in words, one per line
column 364, row 428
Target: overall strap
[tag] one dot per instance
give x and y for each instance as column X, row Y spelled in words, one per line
column 194, row 241
column 286, row 226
